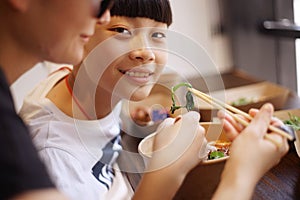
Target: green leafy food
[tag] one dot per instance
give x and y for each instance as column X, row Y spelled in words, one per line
column 189, row 101
column 189, row 98
column 218, row 149
column 294, row 122
column 215, row 155
column 241, row 101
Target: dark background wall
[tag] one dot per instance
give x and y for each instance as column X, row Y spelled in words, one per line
column 263, row 55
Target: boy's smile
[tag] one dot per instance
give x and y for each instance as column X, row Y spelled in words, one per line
column 138, row 75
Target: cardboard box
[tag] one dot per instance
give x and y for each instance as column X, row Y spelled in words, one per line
column 255, row 95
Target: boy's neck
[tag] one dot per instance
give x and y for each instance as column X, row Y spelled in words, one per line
column 104, row 103
column 85, row 110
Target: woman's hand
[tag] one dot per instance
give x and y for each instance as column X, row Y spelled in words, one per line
column 251, row 148
column 233, row 128
column 251, row 155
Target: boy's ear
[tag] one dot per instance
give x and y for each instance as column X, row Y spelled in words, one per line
column 19, row 5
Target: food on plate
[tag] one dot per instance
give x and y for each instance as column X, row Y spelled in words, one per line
column 242, row 101
column 293, row 121
column 189, row 98
column 218, row 149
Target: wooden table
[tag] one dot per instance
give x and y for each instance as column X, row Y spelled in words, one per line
column 283, row 181
column 280, row 183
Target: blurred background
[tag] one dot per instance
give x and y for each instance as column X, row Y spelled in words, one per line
column 257, row 36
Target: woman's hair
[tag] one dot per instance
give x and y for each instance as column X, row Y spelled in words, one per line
column 158, row 10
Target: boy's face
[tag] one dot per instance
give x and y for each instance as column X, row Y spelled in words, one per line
column 57, row 30
column 133, row 74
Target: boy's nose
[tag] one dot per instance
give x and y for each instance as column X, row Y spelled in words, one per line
column 143, row 55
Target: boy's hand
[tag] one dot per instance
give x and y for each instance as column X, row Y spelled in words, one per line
column 178, row 143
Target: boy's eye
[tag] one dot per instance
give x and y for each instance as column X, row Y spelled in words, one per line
column 121, row 30
column 158, row 35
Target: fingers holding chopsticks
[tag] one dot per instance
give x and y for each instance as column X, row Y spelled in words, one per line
column 260, row 126
column 234, row 111
column 232, row 122
column 274, row 121
column 275, row 124
column 231, row 127
column 262, row 120
column 251, row 152
column 260, row 123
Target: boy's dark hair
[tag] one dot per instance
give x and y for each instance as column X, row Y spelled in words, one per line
column 158, row 10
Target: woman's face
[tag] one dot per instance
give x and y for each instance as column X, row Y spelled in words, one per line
column 132, row 74
column 60, row 28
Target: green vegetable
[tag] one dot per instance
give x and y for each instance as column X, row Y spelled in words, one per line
column 216, row 155
column 294, row 122
column 189, row 98
column 241, row 101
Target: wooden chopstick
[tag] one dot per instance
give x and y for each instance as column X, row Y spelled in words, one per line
column 242, row 121
column 220, row 105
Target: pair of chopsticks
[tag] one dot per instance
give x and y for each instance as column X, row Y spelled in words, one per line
column 232, row 111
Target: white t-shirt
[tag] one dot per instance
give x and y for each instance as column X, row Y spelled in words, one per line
column 71, row 149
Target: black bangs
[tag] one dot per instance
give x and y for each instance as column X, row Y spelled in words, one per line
column 158, row 10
